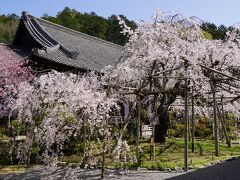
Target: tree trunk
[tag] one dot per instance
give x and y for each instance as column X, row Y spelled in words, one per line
column 162, row 126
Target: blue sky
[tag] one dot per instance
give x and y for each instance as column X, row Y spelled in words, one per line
column 225, row 12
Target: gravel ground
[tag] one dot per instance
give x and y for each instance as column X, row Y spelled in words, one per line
column 228, row 170
column 46, row 173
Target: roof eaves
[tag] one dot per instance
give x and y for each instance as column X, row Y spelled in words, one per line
column 43, row 37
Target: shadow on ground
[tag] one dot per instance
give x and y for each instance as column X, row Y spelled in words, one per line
column 229, row 170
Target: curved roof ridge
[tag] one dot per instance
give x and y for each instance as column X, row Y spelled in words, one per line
column 69, row 30
column 39, row 36
column 43, row 37
column 67, row 51
column 34, row 32
column 45, row 32
column 25, row 21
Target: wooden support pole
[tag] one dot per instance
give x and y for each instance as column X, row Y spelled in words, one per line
column 103, row 160
column 186, row 128
column 104, row 148
column 152, row 150
column 192, row 124
column 138, row 130
column 189, row 128
column 84, row 136
column 213, row 87
column 221, row 116
column 219, row 72
column 228, row 140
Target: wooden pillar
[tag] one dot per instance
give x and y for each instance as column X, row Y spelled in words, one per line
column 138, row 130
column 84, row 136
column 152, row 145
column 189, row 129
column 104, row 148
column 186, row 127
column 223, row 123
column 192, row 129
column 215, row 118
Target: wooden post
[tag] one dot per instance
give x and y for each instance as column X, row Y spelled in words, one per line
column 152, row 146
column 138, row 130
column 192, row 123
column 84, row 136
column 223, row 123
column 189, row 128
column 213, row 87
column 104, row 148
column 186, row 128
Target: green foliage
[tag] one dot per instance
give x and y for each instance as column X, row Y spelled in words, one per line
column 203, row 129
column 18, row 126
column 35, row 153
column 130, row 165
column 68, row 117
column 5, row 145
column 177, row 130
column 207, row 35
column 170, row 155
column 200, row 148
column 8, row 27
column 217, row 32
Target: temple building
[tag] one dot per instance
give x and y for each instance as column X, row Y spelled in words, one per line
column 51, row 46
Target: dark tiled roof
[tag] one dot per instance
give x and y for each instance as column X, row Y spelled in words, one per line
column 70, row 47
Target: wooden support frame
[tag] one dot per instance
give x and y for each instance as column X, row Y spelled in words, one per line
column 139, row 92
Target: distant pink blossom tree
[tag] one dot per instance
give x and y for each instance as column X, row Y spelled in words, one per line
column 12, row 72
